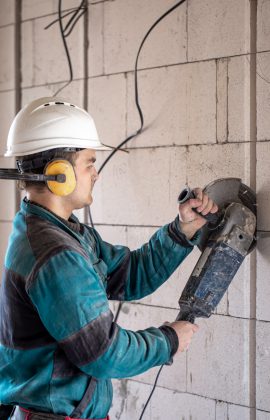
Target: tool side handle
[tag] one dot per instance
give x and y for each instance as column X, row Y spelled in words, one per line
column 186, row 194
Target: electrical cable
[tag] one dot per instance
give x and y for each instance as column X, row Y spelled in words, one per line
column 136, row 86
column 65, row 46
column 76, row 15
column 151, row 393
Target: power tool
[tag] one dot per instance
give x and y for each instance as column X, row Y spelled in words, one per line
column 227, row 238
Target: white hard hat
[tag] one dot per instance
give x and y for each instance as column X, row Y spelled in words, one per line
column 50, row 123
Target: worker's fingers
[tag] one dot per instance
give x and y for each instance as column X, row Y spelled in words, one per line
column 208, row 206
column 198, row 193
column 214, row 208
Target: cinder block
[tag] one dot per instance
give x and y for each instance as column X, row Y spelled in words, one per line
column 210, row 162
column 116, row 235
column 263, row 193
column 72, row 93
column 140, row 195
column 217, row 28
column 118, row 409
column 166, row 404
column 210, row 356
column 107, row 105
column 137, row 317
column 236, row 412
column 48, row 55
column 262, row 415
column 178, row 103
column 263, row 92
column 35, row 8
column 7, row 58
column 221, row 411
column 7, row 104
column 7, row 15
column 263, row 269
column 8, row 192
column 239, row 99
column 80, row 214
column 165, row 45
column 27, row 47
column 222, row 100
column 5, row 229
column 96, row 39
column 262, row 366
column 263, row 30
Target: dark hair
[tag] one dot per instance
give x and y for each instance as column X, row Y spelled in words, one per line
column 36, row 163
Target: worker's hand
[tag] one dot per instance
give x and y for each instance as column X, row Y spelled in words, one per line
column 191, row 222
column 184, row 331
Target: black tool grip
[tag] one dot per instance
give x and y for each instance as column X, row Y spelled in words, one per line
column 186, row 194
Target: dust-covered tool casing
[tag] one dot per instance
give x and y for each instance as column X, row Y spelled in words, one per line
column 223, row 247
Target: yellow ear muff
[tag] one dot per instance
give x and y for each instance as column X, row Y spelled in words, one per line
column 56, row 167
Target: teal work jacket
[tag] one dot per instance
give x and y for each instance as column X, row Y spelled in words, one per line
column 57, row 332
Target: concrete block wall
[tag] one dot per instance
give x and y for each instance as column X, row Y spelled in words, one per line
column 205, row 99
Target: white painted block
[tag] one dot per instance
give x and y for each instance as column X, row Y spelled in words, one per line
column 220, row 351
column 7, row 14
column 27, row 48
column 7, row 105
column 79, row 214
column 116, row 235
column 107, row 105
column 7, row 58
column 207, row 163
column 239, row 99
column 263, row 270
column 5, row 229
column 35, row 8
column 48, row 55
column 263, row 366
column 262, row 415
column 263, row 93
column 263, row 193
column 222, row 100
column 72, row 93
column 165, row 45
column 217, row 28
column 178, row 103
column 221, row 411
column 96, row 39
column 166, row 404
column 140, row 195
column 118, row 409
column 8, row 193
column 263, row 30
column 236, row 412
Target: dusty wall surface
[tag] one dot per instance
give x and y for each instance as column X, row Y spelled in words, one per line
column 204, row 88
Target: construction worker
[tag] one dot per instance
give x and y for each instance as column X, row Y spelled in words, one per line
column 59, row 344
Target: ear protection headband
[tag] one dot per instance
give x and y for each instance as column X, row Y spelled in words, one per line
column 58, row 174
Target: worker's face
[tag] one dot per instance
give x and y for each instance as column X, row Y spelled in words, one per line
column 86, row 176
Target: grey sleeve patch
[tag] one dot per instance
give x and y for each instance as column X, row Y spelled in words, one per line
column 86, row 345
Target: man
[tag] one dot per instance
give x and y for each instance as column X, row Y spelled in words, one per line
column 59, row 345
